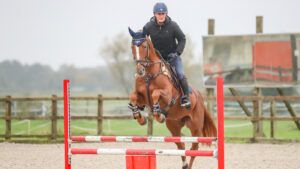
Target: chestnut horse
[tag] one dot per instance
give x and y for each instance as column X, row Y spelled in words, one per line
column 155, row 89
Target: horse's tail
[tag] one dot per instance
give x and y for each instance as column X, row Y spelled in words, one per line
column 209, row 127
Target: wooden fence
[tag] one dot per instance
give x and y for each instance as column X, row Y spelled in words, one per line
column 255, row 118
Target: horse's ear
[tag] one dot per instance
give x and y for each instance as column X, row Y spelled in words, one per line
column 131, row 32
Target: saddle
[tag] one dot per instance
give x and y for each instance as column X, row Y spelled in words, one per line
column 173, row 75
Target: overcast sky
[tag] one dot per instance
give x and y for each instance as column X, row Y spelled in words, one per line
column 56, row 32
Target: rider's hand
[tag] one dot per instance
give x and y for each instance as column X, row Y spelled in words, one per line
column 172, row 56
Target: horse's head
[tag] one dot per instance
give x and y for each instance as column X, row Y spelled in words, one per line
column 141, row 47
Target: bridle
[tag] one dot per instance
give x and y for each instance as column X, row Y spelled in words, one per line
column 147, row 62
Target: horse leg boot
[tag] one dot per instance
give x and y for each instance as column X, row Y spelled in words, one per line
column 135, row 109
column 157, row 113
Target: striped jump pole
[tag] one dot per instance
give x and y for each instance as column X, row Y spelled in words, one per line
column 138, row 152
column 148, row 153
column 207, row 140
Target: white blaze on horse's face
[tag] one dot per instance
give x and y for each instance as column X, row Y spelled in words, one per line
column 140, row 69
column 137, row 52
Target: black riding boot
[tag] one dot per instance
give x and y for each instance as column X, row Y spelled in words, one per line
column 185, row 99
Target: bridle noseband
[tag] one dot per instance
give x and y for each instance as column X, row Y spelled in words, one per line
column 147, row 62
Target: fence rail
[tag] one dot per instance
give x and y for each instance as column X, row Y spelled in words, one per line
column 100, row 117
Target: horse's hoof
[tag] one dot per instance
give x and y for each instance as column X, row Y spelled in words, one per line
column 185, row 166
column 160, row 118
column 142, row 121
column 137, row 115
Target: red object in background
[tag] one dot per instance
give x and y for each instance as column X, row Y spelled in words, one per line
column 272, row 61
column 141, row 162
column 212, row 68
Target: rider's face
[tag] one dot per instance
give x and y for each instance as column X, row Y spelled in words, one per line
column 160, row 17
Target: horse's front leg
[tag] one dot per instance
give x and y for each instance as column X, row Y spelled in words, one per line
column 136, row 106
column 157, row 112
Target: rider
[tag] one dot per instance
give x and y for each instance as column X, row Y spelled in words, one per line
column 164, row 32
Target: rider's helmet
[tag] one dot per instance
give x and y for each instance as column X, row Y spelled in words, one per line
column 160, row 7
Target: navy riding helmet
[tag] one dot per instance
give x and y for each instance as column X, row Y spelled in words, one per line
column 160, row 7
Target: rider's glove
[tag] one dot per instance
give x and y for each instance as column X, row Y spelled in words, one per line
column 172, row 56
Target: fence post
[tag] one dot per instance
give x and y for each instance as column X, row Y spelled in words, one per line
column 210, row 91
column 100, row 115
column 295, row 56
column 272, row 115
column 150, row 124
column 211, row 26
column 8, row 118
column 259, row 24
column 54, row 117
column 210, row 103
column 257, row 114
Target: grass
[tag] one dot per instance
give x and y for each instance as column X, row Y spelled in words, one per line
column 233, row 128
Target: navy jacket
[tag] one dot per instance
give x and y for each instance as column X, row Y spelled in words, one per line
column 164, row 37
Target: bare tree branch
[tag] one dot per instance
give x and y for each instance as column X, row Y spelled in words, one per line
column 117, row 55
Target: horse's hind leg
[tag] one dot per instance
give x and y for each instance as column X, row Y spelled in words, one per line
column 195, row 146
column 175, row 129
column 196, row 132
column 134, row 106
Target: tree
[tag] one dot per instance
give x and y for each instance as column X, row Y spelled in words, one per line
column 117, row 55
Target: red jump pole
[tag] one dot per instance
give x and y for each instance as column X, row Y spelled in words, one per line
column 67, row 124
column 220, row 106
